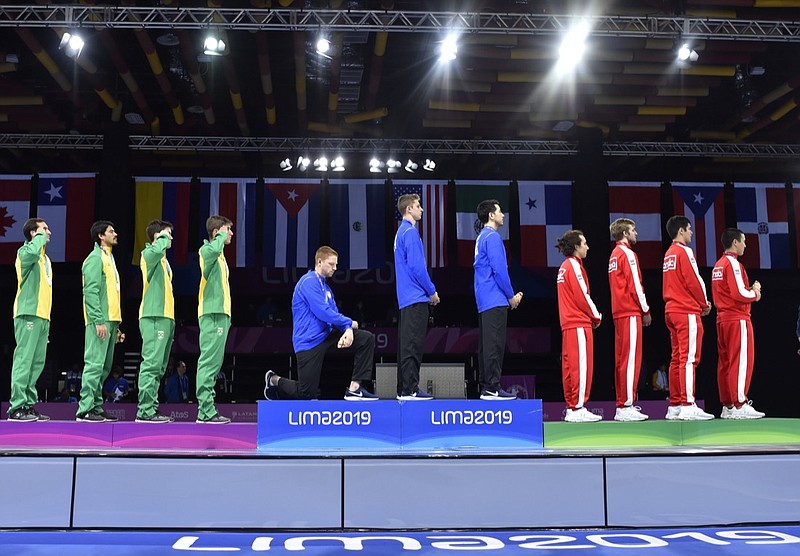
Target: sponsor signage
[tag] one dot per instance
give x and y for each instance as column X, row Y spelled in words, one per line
column 328, row 425
column 451, row 424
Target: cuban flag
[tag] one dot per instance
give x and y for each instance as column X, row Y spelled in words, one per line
column 292, row 212
column 358, row 223
column 545, row 214
column 234, row 198
column 640, row 202
column 66, row 203
column 704, row 205
column 761, row 213
column 15, row 206
column 433, row 226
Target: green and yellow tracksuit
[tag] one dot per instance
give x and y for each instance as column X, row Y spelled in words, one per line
column 214, row 316
column 156, row 322
column 31, row 320
column 101, row 305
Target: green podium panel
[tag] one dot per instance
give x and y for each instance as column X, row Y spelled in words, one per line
column 612, row 434
column 609, row 434
column 728, row 432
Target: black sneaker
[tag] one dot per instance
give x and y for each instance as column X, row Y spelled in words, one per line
column 90, row 417
column 155, row 418
column 107, row 416
column 22, row 415
column 39, row 416
column 270, row 391
column 215, row 420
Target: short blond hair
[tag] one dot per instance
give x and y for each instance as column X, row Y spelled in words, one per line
column 405, row 201
column 619, row 226
column 324, row 252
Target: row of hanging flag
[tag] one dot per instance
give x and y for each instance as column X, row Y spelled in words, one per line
column 280, row 222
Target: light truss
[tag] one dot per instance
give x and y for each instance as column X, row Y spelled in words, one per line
column 393, row 21
column 332, row 146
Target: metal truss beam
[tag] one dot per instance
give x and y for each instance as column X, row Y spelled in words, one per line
column 384, row 147
column 393, row 21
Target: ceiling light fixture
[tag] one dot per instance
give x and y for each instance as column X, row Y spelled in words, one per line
column 338, row 164
column 375, row 165
column 687, row 54
column 411, row 166
column 302, row 163
column 323, row 45
column 393, row 166
column 72, row 44
column 448, row 50
column 213, row 46
column 321, row 164
column 286, row 164
column 429, row 165
column 572, row 47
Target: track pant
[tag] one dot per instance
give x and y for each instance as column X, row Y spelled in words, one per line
column 577, row 365
column 31, row 335
column 98, row 356
column 309, row 364
column 627, row 358
column 410, row 339
column 686, row 335
column 491, row 346
column 213, row 335
column 157, row 334
column 735, row 363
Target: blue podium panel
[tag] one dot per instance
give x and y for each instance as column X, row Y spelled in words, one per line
column 328, row 425
column 445, row 424
column 36, row 491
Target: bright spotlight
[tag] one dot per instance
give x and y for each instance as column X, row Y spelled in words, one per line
column 572, row 47
column 687, row 54
column 429, row 165
column 323, row 45
column 286, row 164
column 411, row 166
column 72, row 44
column 393, row 166
column 213, row 46
column 321, row 164
column 448, row 50
column 338, row 164
column 303, row 163
column 375, row 165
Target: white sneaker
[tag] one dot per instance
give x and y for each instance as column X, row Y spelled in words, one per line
column 693, row 413
column 581, row 415
column 747, row 411
column 673, row 413
column 726, row 412
column 630, row 413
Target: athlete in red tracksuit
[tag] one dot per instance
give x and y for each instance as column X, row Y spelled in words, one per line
column 733, row 296
column 685, row 302
column 630, row 311
column 578, row 315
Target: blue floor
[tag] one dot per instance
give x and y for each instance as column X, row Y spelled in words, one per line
column 724, row 541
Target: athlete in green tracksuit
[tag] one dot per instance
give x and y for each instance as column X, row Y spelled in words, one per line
column 102, row 314
column 156, row 319
column 31, row 320
column 214, row 315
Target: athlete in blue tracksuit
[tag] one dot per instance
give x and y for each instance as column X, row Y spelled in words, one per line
column 493, row 295
column 415, row 292
column 317, row 327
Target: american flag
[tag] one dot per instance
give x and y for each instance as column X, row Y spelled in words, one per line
column 433, row 226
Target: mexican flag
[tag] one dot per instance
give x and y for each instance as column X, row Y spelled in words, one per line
column 468, row 195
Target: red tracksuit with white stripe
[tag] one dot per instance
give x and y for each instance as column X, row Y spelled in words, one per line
column 628, row 304
column 732, row 297
column 577, row 313
column 684, row 299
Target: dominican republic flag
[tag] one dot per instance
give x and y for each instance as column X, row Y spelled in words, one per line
column 468, row 195
column 292, row 213
column 545, row 213
column 66, row 203
column 640, row 202
column 15, row 207
column 234, row 198
column 163, row 199
column 433, row 226
column 358, row 222
column 704, row 205
column 761, row 213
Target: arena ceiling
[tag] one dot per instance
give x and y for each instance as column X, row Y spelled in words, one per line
column 143, row 74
